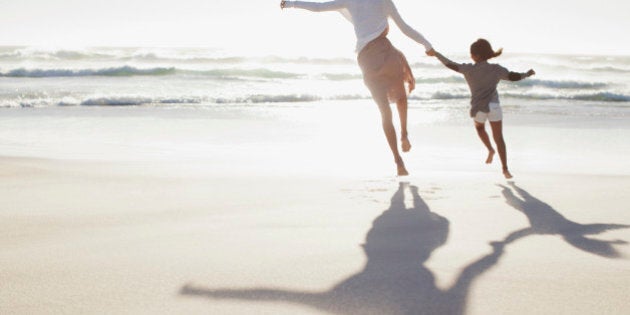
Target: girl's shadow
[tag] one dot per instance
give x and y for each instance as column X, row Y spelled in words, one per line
column 545, row 220
column 394, row 279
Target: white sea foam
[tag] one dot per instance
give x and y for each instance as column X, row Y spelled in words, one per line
column 34, row 77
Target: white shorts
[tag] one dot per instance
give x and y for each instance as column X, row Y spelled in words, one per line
column 495, row 114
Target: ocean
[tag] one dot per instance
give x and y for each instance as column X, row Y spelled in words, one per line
column 175, row 77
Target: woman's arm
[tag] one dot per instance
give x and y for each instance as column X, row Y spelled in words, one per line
column 447, row 62
column 405, row 28
column 313, row 6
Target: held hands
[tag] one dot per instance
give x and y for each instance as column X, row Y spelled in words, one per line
column 430, row 52
column 498, row 246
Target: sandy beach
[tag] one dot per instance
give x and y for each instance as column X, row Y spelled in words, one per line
column 129, row 210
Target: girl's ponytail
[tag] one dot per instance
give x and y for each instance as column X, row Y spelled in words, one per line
column 497, row 53
column 483, row 49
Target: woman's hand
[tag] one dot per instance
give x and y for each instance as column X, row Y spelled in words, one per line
column 430, row 52
column 531, row 72
column 282, row 4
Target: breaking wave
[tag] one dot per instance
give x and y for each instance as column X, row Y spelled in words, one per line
column 109, row 72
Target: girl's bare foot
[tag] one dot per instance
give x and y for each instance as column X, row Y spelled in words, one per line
column 507, row 174
column 490, row 156
column 405, row 145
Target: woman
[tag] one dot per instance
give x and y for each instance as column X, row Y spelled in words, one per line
column 385, row 69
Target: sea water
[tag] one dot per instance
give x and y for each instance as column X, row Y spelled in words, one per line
column 244, row 112
column 152, row 77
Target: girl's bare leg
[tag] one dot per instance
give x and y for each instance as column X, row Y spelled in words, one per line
column 401, row 104
column 497, row 134
column 390, row 132
column 481, row 132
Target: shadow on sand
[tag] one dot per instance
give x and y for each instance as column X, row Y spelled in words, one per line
column 545, row 220
column 394, row 279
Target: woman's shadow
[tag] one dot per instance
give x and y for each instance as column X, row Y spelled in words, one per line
column 545, row 220
column 394, row 279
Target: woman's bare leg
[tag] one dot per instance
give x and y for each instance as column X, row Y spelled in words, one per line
column 481, row 132
column 401, row 104
column 390, row 131
column 497, row 134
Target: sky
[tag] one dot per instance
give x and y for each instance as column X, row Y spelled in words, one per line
column 259, row 26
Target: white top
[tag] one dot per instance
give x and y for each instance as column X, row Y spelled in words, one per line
column 369, row 18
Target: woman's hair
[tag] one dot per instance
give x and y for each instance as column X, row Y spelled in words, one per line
column 483, row 50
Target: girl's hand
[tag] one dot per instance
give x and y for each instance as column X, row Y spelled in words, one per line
column 282, row 4
column 531, row 72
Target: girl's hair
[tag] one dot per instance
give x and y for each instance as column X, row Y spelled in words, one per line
column 483, row 49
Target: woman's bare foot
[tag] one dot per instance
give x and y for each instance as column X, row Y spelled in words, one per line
column 507, row 174
column 402, row 171
column 405, row 145
column 490, row 156
column 400, row 165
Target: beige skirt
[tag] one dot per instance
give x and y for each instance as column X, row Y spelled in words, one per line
column 385, row 69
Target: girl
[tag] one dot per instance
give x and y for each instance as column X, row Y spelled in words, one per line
column 483, row 78
column 385, row 69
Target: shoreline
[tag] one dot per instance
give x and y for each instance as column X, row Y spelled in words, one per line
column 196, row 212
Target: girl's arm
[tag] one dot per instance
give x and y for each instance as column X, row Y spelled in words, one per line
column 448, row 63
column 515, row 76
column 313, row 6
column 406, row 29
